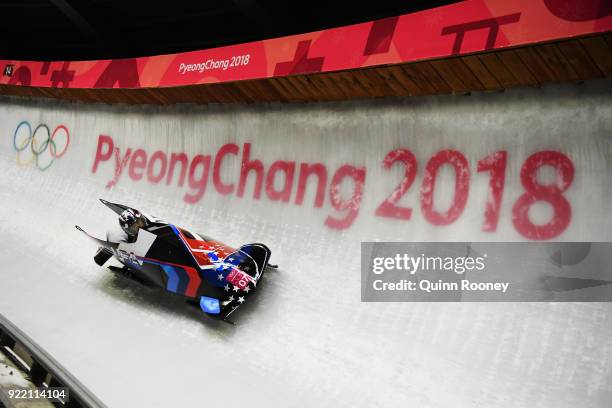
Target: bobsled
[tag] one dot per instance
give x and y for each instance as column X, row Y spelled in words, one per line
column 209, row 274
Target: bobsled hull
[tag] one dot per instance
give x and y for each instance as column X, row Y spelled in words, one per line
column 215, row 276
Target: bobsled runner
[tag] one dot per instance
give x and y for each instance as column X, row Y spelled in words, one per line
column 213, row 276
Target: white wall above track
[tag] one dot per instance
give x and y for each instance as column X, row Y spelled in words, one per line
column 309, row 180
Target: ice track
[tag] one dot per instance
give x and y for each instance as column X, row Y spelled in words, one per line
column 304, row 339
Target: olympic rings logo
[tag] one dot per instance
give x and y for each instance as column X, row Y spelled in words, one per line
column 42, row 143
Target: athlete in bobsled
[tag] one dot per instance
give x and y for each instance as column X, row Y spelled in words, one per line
column 213, row 276
column 131, row 221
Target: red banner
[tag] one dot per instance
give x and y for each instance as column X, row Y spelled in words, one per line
column 461, row 28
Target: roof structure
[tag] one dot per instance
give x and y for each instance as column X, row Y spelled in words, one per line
column 457, row 47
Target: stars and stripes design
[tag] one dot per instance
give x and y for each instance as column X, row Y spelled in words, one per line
column 220, row 264
column 235, row 296
column 206, row 253
column 236, row 284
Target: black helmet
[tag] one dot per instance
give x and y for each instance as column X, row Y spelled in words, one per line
column 128, row 218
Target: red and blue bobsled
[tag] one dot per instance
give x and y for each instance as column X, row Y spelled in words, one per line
column 209, row 273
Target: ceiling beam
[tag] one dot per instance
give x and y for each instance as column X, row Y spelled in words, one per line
column 255, row 13
column 176, row 17
column 79, row 22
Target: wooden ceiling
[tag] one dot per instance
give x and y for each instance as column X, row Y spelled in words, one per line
column 572, row 60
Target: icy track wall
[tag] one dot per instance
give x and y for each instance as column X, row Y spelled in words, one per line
column 311, row 181
column 522, row 165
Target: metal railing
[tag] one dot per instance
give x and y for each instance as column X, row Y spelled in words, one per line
column 43, row 370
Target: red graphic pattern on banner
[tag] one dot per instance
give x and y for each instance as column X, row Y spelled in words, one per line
column 301, row 63
column 381, row 35
column 491, row 25
column 122, row 72
column 465, row 27
column 582, row 10
column 62, row 76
